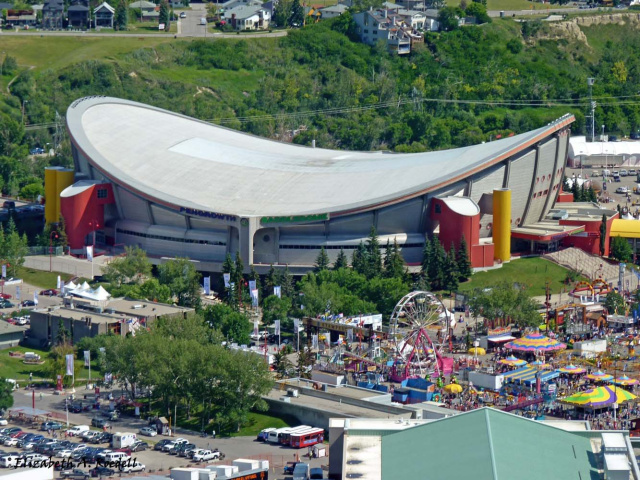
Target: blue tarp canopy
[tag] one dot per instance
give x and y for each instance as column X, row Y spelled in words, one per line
column 528, row 374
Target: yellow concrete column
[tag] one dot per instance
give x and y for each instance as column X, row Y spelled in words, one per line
column 502, row 224
column 56, row 179
column 50, row 194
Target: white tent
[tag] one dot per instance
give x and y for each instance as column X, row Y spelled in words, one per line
column 84, row 286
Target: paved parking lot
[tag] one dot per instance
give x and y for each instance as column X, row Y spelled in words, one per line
column 236, row 447
column 609, row 197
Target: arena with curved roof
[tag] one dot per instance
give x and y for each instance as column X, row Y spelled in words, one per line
column 178, row 186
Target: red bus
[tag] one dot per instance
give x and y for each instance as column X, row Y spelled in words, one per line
column 307, row 438
column 285, row 437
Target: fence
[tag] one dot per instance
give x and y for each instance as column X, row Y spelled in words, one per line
column 45, row 251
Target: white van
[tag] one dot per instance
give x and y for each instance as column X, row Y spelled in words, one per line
column 9, row 461
column 623, row 173
column 274, row 437
column 123, row 439
column 116, row 457
column 77, row 430
column 606, row 173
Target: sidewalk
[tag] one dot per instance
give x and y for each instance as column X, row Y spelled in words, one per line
column 66, row 264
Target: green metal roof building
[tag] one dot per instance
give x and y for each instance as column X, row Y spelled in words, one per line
column 484, row 444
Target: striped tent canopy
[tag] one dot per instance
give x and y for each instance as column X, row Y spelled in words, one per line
column 572, row 369
column 600, row 376
column 535, row 342
column 600, row 397
column 513, row 361
column 540, row 364
column 528, row 374
column 624, row 380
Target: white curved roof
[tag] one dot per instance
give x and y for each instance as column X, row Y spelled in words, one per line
column 183, row 162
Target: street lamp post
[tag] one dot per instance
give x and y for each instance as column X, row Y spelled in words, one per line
column 476, row 344
column 53, row 235
column 94, row 225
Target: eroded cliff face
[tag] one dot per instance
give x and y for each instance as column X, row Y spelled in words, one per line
column 570, row 29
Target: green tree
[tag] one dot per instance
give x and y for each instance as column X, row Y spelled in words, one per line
column 56, row 364
column 274, row 308
column 437, row 264
column 451, row 273
column 282, row 365
column 296, row 17
column 394, row 267
column 427, row 256
column 9, row 65
column 322, row 261
column 448, row 18
column 233, row 325
column 463, row 262
column 614, row 304
column 212, row 9
column 620, row 249
column 164, row 14
column 32, row 191
column 14, row 247
column 341, row 261
column 6, row 394
column 373, row 265
column 479, row 11
column 63, row 336
column 359, row 259
column 603, row 235
column 386, row 258
column 132, row 268
column 506, row 301
column 121, row 16
column 182, row 278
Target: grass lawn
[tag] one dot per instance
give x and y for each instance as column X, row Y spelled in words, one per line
column 57, row 52
column 42, row 279
column 257, row 421
column 533, row 272
column 13, row 367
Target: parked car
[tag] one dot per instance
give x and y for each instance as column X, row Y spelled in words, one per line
column 28, row 303
column 160, row 445
column 188, row 448
column 301, row 471
column 173, row 443
column 183, row 15
column 622, row 190
column 6, row 304
column 140, row 446
column 104, row 437
column 50, row 292
column 10, row 430
column 178, row 449
column 3, row 421
column 134, row 467
column 206, row 455
column 288, row 468
column 102, row 472
column 6, row 296
column 75, row 473
column 36, row 151
column 148, row 431
column 100, row 422
column 316, row 474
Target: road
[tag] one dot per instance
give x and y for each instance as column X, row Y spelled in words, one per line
column 190, row 26
column 236, row 447
column 519, row 13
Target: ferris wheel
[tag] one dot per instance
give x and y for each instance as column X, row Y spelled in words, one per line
column 420, row 329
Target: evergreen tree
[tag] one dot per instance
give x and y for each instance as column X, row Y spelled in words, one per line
column 359, row 259
column 296, row 18
column 565, row 185
column 462, row 260
column 437, row 264
column 395, row 267
column 373, row 262
column 121, row 16
column 164, row 14
column 603, row 235
column 591, row 194
column 574, row 190
column 287, row 283
column 253, row 275
column 427, row 255
column 450, row 271
column 322, row 261
column 270, row 282
column 386, row 259
column 228, row 266
column 341, row 261
column 583, row 193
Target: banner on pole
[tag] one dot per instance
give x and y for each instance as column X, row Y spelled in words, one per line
column 4, row 271
column 277, row 327
column 314, row 341
column 252, row 285
column 59, row 283
column 59, row 382
column 102, row 350
column 255, row 327
column 18, row 292
column 350, row 335
column 90, row 253
column 69, row 359
column 207, row 285
column 296, row 325
column 254, row 297
column 35, row 298
column 227, row 279
column 87, row 358
column 277, row 291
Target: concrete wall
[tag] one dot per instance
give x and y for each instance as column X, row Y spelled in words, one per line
column 334, row 395
column 302, row 413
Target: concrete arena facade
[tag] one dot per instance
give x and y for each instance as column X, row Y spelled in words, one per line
column 177, row 186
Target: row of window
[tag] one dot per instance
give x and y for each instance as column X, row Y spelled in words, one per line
column 338, row 247
column 170, row 239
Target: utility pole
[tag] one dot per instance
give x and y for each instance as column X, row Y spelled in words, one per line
column 590, row 82
column 547, row 304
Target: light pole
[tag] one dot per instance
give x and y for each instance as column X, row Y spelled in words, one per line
column 602, row 139
column 94, row 225
column 590, row 82
column 53, row 235
column 476, row 344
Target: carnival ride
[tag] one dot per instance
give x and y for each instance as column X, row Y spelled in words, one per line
column 419, row 331
column 593, row 290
